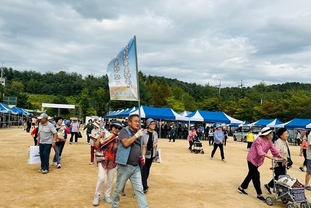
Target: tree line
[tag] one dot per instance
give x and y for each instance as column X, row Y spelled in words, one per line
column 90, row 94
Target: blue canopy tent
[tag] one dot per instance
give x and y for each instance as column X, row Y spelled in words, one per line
column 126, row 112
column 18, row 110
column 113, row 114
column 267, row 122
column 159, row 113
column 212, row 117
column 295, row 123
column 185, row 113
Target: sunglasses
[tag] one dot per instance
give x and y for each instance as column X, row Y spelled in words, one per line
column 118, row 127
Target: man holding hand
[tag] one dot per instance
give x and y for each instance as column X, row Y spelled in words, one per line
column 129, row 159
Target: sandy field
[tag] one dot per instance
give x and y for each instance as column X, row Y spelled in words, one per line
column 183, row 179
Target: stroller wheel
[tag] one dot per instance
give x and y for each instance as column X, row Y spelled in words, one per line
column 304, row 205
column 269, row 201
column 291, row 206
column 284, row 200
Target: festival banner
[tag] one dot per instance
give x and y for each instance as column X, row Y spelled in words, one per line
column 122, row 74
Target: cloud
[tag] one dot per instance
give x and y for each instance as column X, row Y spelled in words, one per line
column 200, row 41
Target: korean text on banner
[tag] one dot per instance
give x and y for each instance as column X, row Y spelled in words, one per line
column 33, row 155
column 122, row 74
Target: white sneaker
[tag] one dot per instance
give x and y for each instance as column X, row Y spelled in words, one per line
column 54, row 164
column 91, row 163
column 108, row 200
column 96, row 200
column 59, row 166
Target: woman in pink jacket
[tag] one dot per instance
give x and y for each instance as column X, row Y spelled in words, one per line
column 255, row 159
column 191, row 135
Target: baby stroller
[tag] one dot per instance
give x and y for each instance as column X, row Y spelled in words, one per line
column 288, row 189
column 197, row 146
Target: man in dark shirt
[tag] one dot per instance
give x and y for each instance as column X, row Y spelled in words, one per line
column 129, row 158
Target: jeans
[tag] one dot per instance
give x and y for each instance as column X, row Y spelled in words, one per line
column 145, row 173
column 61, row 148
column 57, row 149
column 45, row 150
column 125, row 172
column 254, row 175
column 221, row 147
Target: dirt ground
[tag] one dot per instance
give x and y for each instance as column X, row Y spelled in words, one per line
column 183, row 179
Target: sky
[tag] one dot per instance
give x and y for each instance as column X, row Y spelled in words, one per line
column 214, row 42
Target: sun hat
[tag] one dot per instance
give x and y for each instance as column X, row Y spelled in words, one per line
column 265, row 131
column 97, row 124
column 50, row 118
column 149, row 121
column 43, row 115
column 116, row 123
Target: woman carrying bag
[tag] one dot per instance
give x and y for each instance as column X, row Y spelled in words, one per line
column 151, row 143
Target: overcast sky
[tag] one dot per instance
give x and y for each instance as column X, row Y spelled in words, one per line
column 198, row 41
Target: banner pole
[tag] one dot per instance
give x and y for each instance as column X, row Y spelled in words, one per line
column 137, row 79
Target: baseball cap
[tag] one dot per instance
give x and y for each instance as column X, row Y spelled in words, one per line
column 43, row 115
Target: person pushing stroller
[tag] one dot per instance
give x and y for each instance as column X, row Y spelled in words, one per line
column 280, row 167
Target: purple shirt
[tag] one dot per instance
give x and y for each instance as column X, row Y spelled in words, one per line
column 259, row 149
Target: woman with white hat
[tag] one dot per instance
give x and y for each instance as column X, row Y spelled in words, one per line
column 255, row 159
column 93, row 135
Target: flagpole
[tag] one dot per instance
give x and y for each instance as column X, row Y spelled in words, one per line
column 137, row 78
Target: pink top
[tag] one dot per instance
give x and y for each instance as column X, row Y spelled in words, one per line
column 304, row 144
column 191, row 135
column 259, row 149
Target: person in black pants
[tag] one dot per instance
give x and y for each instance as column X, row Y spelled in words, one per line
column 255, row 158
column 151, row 143
column 280, row 166
column 219, row 138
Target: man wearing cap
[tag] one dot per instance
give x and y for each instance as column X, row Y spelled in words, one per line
column 150, row 144
column 128, row 160
column 47, row 137
column 74, row 130
column 109, row 147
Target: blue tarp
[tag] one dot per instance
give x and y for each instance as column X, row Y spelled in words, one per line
column 295, row 123
column 6, row 109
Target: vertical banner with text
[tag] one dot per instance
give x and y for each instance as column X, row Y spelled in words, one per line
column 122, row 74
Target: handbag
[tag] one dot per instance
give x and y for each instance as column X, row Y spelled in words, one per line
column 99, row 156
column 148, row 154
column 79, row 135
column 289, row 159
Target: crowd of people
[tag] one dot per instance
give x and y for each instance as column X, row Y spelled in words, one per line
column 114, row 146
column 124, row 147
